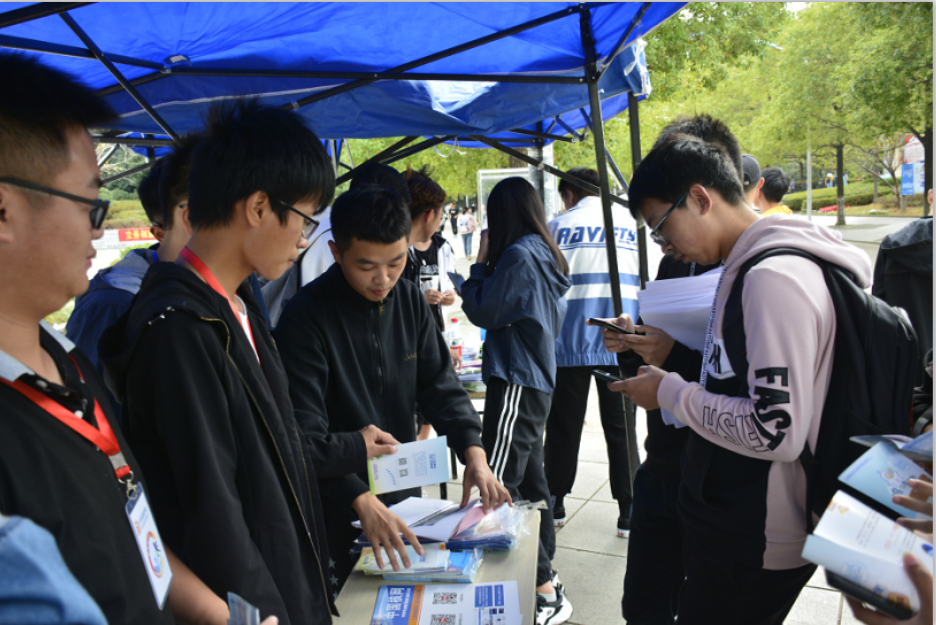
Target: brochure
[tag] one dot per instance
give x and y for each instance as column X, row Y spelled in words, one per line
column 416, row 464
column 882, row 472
column 919, row 448
column 435, row 558
column 496, row 603
column 867, row 548
column 463, row 567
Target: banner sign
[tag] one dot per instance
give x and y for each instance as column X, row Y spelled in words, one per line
column 135, row 234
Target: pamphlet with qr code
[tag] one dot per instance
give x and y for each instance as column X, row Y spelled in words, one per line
column 413, row 465
column 494, row 603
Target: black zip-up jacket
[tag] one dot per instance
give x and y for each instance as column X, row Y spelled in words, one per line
column 353, row 363
column 214, row 431
column 665, row 443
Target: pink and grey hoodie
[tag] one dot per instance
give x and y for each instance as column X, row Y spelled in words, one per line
column 743, row 491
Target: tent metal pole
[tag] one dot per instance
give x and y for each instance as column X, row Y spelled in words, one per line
column 376, row 158
column 85, row 39
column 616, row 170
column 17, row 43
column 37, row 11
column 129, row 172
column 619, row 46
column 558, row 173
column 107, row 155
column 350, row 156
column 333, row 154
column 441, row 55
column 633, row 111
column 372, row 76
column 569, row 129
column 136, row 82
column 539, row 179
column 545, row 135
column 156, row 143
column 419, row 147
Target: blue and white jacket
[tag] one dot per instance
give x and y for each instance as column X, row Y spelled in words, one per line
column 522, row 308
column 580, row 234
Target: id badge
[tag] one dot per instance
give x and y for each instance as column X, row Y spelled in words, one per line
column 155, row 559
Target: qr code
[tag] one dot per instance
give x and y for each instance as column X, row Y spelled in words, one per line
column 444, row 598
column 432, row 461
column 402, row 461
column 442, row 619
column 404, row 472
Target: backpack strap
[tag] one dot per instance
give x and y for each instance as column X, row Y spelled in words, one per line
column 736, row 348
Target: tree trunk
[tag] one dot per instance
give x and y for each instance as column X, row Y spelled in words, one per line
column 874, row 174
column 802, row 170
column 839, row 171
column 903, row 201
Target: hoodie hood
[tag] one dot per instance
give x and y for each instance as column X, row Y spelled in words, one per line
column 912, row 246
column 558, row 283
column 827, row 244
column 126, row 275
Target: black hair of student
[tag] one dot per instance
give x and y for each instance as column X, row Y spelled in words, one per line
column 514, row 210
column 247, row 148
column 381, row 175
column 174, row 180
column 372, row 213
column 38, row 108
column 582, row 173
column 776, row 184
column 679, row 162
column 709, row 129
column 425, row 193
column 148, row 192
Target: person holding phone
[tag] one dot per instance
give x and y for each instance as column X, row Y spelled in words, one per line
column 516, row 293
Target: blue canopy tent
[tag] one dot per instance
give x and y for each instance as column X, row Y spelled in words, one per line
column 446, row 71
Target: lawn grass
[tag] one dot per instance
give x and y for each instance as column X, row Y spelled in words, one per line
column 126, row 214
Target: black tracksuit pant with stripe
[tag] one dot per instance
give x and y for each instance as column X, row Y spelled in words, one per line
column 514, row 421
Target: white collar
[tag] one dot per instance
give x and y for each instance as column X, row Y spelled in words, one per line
column 12, row 369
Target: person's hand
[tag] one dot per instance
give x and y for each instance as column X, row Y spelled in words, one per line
column 654, row 347
column 378, row 442
column 270, row 620
column 614, row 341
column 457, row 361
column 478, row 473
column 433, row 296
column 642, row 389
column 383, row 529
column 923, row 489
column 923, row 581
column 448, row 298
column 483, row 248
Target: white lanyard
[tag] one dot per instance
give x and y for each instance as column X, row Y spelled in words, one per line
column 710, row 331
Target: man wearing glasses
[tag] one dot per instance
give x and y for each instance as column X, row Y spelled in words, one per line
column 204, row 395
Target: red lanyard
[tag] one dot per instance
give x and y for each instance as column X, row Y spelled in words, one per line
column 203, row 270
column 102, row 436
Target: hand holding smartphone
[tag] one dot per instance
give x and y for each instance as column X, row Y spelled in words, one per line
column 610, row 326
column 604, row 376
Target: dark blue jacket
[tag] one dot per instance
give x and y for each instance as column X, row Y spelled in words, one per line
column 521, row 307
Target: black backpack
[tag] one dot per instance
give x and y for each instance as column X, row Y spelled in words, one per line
column 871, row 385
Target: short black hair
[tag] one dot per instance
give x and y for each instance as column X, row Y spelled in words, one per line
column 381, row 175
column 370, row 213
column 38, row 108
column 247, row 148
column 582, row 173
column 776, row 184
column 149, row 196
column 679, row 162
column 174, row 180
column 709, row 129
column 425, row 193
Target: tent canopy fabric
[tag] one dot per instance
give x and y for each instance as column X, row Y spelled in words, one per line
column 269, row 49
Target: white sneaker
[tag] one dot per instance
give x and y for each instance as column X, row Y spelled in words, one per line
column 559, row 611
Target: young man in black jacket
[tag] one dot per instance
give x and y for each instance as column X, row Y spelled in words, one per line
column 203, row 390
column 361, row 348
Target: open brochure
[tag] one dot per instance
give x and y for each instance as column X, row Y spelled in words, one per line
column 919, row 448
column 866, row 548
column 882, row 472
column 496, row 603
column 415, row 464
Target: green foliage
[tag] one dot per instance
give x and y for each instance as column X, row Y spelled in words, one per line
column 126, row 214
column 855, row 195
column 60, row 317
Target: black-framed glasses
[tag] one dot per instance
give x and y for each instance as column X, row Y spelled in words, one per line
column 98, row 210
column 308, row 224
column 655, row 235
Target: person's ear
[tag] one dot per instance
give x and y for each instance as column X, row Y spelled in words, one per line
column 158, row 232
column 6, row 234
column 186, row 220
column 702, row 197
column 336, row 254
column 255, row 207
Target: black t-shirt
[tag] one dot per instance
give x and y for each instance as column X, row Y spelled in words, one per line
column 429, row 278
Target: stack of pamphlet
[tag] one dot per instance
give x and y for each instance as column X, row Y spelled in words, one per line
column 862, row 549
column 438, row 564
column 495, row 603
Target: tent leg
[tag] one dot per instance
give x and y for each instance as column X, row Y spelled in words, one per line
column 536, row 174
column 634, row 116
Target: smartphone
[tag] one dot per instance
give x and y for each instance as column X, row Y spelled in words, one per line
column 457, row 280
column 898, row 609
column 605, row 376
column 610, row 326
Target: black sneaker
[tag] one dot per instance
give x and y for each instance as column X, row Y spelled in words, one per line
column 623, row 527
column 555, row 612
column 559, row 513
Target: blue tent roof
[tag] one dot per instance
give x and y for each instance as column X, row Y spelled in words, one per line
column 165, row 44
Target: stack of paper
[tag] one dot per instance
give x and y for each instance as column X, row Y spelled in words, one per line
column 866, row 548
column 434, row 559
column 496, row 603
column 463, row 567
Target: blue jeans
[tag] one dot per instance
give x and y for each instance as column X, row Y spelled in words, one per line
column 466, row 238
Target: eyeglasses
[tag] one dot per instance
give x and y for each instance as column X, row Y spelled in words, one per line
column 98, row 212
column 309, row 224
column 655, row 235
